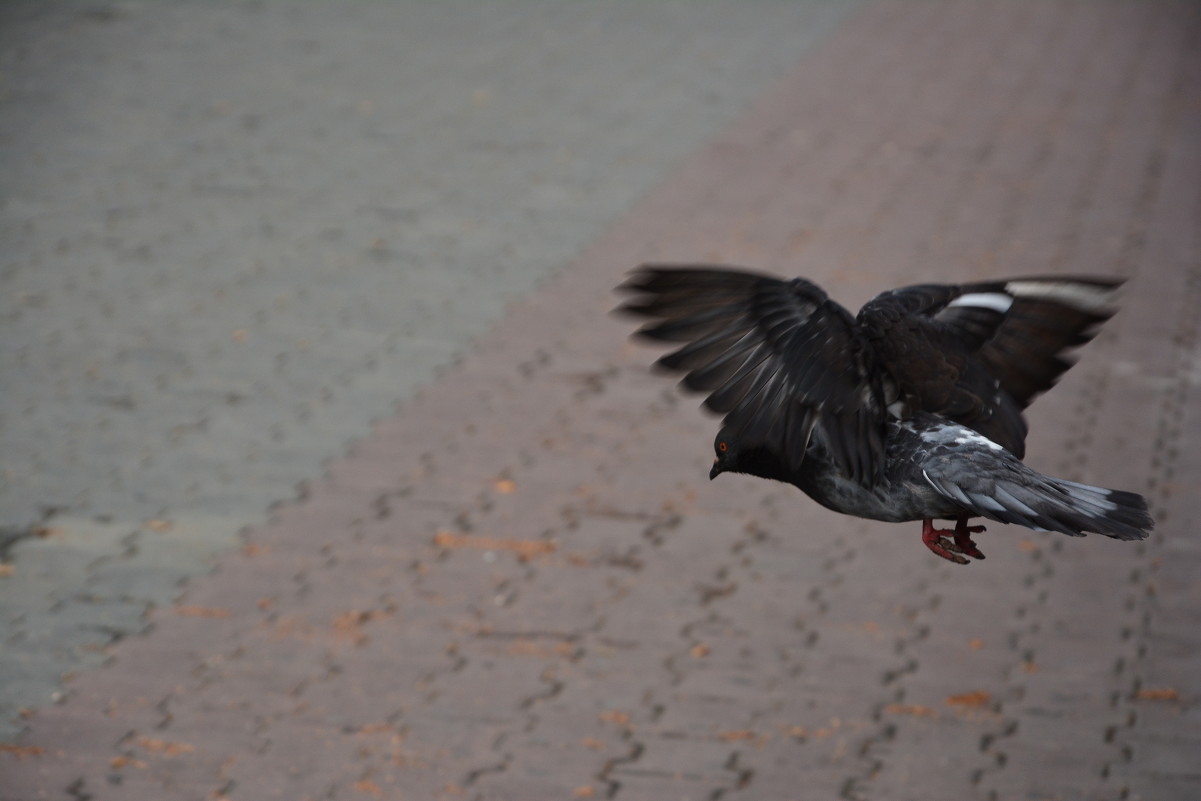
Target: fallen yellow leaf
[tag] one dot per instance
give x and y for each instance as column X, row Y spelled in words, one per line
column 368, row 787
column 972, row 699
column 613, row 716
column 167, row 748
column 916, row 710
column 736, row 735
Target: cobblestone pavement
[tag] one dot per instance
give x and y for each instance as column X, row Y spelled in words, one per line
column 521, row 586
column 234, row 233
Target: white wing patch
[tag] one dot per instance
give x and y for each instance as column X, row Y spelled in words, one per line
column 1082, row 297
column 972, row 438
column 997, row 301
column 954, row 434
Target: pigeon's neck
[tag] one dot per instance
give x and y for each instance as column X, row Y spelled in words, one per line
column 765, row 463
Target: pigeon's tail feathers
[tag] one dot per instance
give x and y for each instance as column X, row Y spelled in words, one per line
column 1114, row 513
column 1017, row 494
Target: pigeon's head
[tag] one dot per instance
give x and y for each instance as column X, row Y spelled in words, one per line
column 733, row 455
column 725, row 448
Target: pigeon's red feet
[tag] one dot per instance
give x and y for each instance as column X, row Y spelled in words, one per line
column 963, row 538
column 956, row 549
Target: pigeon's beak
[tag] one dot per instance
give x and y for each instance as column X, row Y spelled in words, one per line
column 717, row 470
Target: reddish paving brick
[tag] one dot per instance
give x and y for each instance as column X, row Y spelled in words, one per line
column 523, row 587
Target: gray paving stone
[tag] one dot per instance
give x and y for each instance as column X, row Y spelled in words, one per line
column 234, row 233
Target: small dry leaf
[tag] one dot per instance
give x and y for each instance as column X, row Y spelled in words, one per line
column 1030, row 667
column 5, row 570
column 594, row 744
column 1027, row 546
column 969, row 700
column 348, row 625
column 505, row 486
column 368, row 787
column 613, row 716
column 167, row 748
column 1158, row 694
column 202, row 611
column 915, row 710
column 736, row 735
column 21, row 751
column 47, row 531
column 699, row 651
column 252, row 550
column 585, row 791
column 975, row 643
column 798, row 732
column 161, row 526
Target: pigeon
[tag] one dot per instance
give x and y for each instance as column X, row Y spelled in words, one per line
column 910, row 410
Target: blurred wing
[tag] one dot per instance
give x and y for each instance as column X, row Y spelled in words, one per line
column 979, row 353
column 778, row 358
column 1050, row 315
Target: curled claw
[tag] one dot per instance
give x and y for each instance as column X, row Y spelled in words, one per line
column 963, row 538
column 955, row 549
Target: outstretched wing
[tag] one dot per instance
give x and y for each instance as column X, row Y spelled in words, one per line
column 778, row 358
column 979, row 353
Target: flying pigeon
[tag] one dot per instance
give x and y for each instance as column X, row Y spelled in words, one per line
column 911, row 410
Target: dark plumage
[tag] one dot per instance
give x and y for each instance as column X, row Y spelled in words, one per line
column 911, row 410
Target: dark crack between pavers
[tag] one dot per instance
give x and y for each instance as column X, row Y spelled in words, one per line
column 495, row 768
column 605, row 776
column 742, row 777
column 77, row 790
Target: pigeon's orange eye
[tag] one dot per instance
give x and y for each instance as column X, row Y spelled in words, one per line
column 721, row 446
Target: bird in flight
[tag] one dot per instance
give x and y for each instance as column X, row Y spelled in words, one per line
column 910, row 410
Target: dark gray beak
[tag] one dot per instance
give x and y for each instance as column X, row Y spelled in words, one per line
column 716, row 470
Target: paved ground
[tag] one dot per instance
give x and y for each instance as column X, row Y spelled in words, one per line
column 520, row 584
column 234, row 233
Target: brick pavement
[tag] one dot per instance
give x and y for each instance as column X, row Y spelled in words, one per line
column 234, row 233
column 521, row 586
